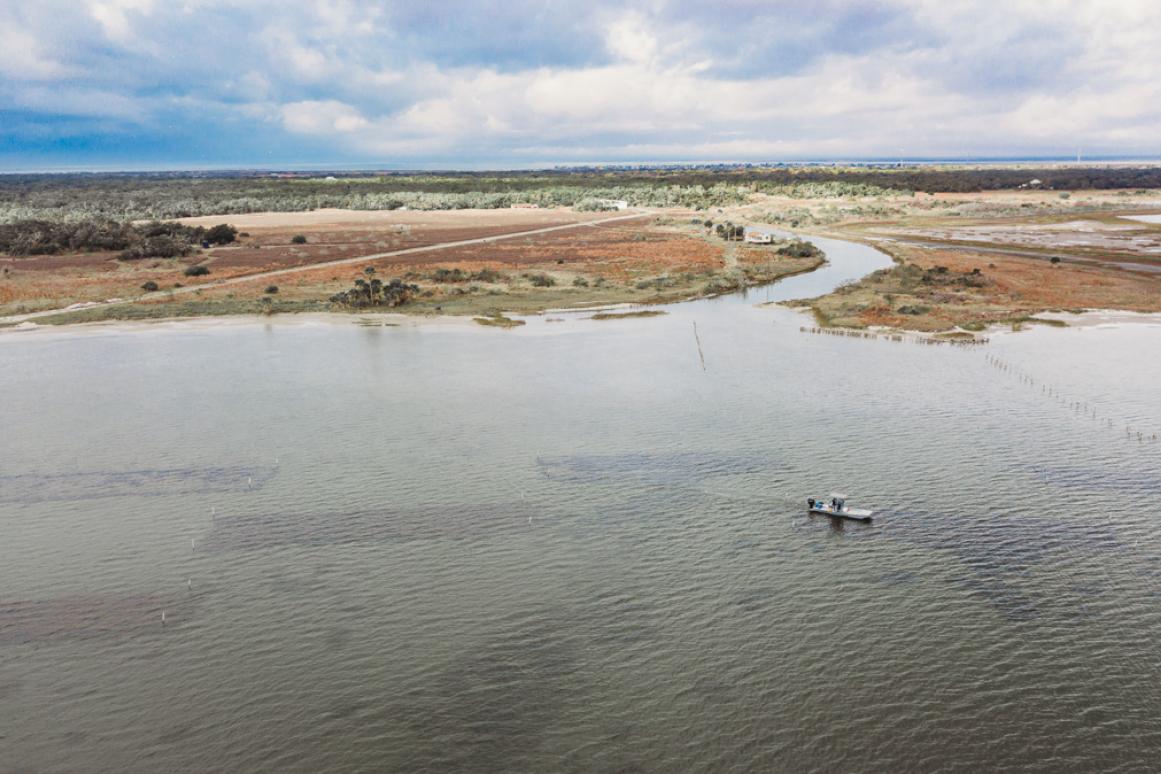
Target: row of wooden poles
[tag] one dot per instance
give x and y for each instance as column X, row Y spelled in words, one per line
column 1080, row 408
column 896, row 337
column 193, row 543
column 1077, row 407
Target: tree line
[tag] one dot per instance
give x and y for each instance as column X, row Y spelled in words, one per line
column 174, row 195
column 149, row 240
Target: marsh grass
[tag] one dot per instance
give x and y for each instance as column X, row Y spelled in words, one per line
column 624, row 315
column 498, row 320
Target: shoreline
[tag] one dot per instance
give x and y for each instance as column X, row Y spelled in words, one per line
column 1086, row 319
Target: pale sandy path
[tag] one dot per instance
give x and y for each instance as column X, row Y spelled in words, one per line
column 325, row 264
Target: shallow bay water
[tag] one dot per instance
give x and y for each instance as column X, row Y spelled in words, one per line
column 569, row 547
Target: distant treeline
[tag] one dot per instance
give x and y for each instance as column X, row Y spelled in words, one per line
column 149, row 240
column 175, row 195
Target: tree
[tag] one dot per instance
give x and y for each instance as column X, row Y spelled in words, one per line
column 375, row 293
column 221, row 234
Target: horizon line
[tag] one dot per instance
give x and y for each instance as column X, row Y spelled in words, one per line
column 396, row 168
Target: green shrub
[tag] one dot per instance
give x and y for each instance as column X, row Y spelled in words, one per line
column 540, row 280
column 298, row 239
column 149, row 286
column 221, row 234
column 377, row 293
column 799, row 249
column 271, row 289
column 449, row 275
column 157, row 247
column 196, row 271
column 914, row 309
column 486, row 275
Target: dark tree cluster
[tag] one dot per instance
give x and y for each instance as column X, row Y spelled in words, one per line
column 372, row 291
column 730, row 232
column 150, row 240
column 41, row 237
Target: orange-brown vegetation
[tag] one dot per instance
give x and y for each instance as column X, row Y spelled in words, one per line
column 616, row 251
column 937, row 289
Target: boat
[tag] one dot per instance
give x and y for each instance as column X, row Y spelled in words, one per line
column 837, row 507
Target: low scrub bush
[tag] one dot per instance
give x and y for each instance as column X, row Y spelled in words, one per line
column 800, row 249
column 486, row 275
column 449, row 275
column 914, row 309
column 541, row 280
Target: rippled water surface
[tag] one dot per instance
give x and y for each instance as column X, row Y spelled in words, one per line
column 570, row 548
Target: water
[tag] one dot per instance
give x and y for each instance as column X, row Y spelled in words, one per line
column 1144, row 218
column 569, row 548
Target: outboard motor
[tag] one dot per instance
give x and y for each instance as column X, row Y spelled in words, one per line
column 810, row 502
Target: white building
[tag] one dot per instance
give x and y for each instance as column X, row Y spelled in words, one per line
column 757, row 237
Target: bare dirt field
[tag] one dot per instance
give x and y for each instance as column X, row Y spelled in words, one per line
column 620, row 249
column 337, row 234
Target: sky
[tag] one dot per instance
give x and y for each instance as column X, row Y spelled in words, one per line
column 138, row 84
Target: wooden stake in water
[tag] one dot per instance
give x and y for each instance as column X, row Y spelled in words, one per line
column 697, row 338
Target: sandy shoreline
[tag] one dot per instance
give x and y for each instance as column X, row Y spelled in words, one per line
column 1093, row 318
column 218, row 322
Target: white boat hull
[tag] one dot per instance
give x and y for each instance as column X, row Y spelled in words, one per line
column 855, row 514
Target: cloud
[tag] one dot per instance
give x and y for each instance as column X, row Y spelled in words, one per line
column 22, row 57
column 322, row 117
column 524, row 81
column 630, row 39
column 116, row 17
